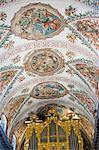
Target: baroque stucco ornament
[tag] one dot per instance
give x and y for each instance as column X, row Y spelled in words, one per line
column 37, row 21
column 44, row 62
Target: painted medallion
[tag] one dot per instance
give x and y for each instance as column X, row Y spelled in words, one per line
column 44, row 62
column 47, row 90
column 37, row 21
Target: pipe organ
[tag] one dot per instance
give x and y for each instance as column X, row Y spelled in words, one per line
column 54, row 133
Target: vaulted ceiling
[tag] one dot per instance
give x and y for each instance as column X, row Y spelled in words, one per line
column 48, row 55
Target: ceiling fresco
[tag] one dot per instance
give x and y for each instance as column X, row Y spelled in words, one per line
column 88, row 28
column 49, row 57
column 48, row 90
column 44, row 62
column 37, row 21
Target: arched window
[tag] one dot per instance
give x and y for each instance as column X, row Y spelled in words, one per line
column 14, row 142
column 3, row 122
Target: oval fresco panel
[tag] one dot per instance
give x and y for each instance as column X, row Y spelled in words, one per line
column 37, row 21
column 44, row 62
column 47, row 90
